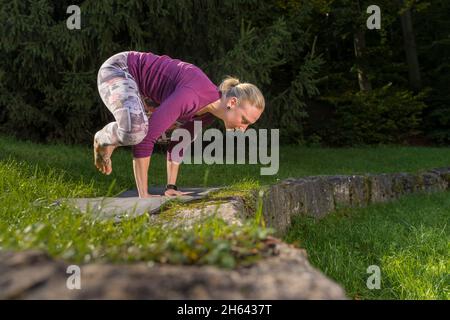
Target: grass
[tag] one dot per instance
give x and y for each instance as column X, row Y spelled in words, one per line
column 295, row 161
column 408, row 239
column 29, row 220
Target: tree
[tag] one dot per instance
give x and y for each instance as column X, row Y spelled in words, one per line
column 409, row 45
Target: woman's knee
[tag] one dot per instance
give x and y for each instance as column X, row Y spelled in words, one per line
column 142, row 132
column 135, row 136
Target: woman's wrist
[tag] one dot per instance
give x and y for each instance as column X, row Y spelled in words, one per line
column 171, row 186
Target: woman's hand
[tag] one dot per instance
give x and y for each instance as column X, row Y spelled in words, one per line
column 172, row 193
column 148, row 195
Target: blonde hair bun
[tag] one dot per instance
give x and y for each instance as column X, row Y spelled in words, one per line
column 232, row 87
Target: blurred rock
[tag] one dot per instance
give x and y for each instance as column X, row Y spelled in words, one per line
column 319, row 195
column 284, row 275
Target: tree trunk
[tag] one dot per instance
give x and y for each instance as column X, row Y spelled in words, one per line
column 409, row 44
column 359, row 42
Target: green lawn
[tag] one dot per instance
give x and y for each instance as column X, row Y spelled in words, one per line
column 30, row 220
column 295, row 161
column 408, row 239
column 33, row 176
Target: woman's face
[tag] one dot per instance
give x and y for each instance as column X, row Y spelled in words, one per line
column 240, row 116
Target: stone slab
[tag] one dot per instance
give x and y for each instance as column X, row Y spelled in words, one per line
column 128, row 204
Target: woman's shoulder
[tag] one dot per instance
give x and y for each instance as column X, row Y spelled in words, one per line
column 206, row 90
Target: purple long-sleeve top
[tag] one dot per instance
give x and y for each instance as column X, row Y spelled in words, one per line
column 181, row 89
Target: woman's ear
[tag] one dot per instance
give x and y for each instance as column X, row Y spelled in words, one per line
column 232, row 102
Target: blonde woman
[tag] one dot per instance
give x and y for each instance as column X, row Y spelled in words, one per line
column 150, row 95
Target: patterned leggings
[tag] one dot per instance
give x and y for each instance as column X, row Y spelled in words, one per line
column 120, row 94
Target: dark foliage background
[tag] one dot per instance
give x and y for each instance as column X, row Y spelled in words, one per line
column 319, row 87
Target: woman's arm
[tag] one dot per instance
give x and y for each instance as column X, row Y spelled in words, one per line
column 181, row 102
column 172, row 172
column 140, row 168
column 172, row 166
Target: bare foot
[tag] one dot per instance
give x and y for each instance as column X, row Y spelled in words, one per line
column 102, row 157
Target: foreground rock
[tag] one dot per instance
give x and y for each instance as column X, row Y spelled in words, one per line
column 285, row 275
column 319, row 195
